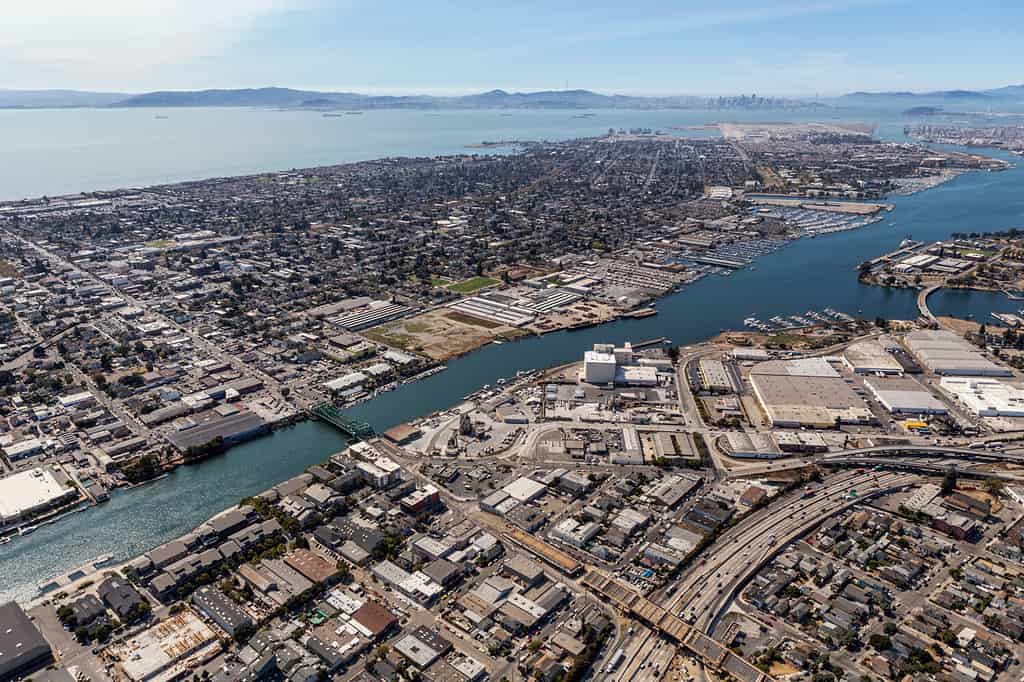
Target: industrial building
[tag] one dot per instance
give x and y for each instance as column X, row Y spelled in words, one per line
column 221, row 609
column 871, row 357
column 943, row 352
column 29, row 492
column 599, row 366
column 751, row 445
column 422, row 647
column 607, row 364
column 491, row 309
column 525, row 489
column 377, row 312
column 22, row 449
column 714, row 376
column 343, row 383
column 900, row 395
column 986, row 397
column 806, row 393
column 22, row 647
column 232, row 428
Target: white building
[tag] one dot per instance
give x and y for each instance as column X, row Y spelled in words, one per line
column 986, row 397
column 598, row 366
column 525, row 489
column 607, row 364
column 572, row 532
column 23, row 448
column 28, row 492
column 381, row 473
column 342, row 383
column 870, row 357
column 75, row 400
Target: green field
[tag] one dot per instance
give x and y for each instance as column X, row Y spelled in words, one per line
column 160, row 244
column 468, row 286
column 440, row 281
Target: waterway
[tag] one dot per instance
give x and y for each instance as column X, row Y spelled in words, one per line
column 808, row 274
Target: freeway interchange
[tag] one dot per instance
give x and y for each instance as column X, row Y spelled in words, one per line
column 704, row 592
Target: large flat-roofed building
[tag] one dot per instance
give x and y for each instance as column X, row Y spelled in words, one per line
column 751, row 445
column 870, row 357
column 806, row 393
column 221, row 609
column 525, row 489
column 22, row 647
column 943, row 352
column 714, row 376
column 375, row 313
column 494, row 311
column 29, row 492
column 230, row 429
column 607, row 364
column 23, row 448
column 986, row 397
column 636, row 375
column 900, row 395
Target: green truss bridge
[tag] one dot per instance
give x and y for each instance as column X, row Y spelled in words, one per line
column 331, row 414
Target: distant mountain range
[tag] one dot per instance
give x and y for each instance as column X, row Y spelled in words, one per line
column 310, row 99
column 996, row 97
column 38, row 99
column 493, row 99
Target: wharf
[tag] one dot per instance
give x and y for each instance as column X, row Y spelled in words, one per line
column 895, row 255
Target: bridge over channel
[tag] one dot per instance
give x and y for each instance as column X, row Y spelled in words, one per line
column 332, row 415
column 922, row 302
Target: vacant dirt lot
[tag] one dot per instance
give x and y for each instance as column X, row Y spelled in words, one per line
column 441, row 334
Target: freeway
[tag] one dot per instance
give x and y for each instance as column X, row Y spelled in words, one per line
column 869, row 457
column 931, row 451
column 707, row 589
column 742, row 551
column 934, row 467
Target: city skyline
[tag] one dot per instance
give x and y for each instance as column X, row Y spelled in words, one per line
column 798, row 49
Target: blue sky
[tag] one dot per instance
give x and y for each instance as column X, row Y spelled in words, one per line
column 798, row 47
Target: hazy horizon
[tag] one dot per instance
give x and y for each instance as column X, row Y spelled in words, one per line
column 795, row 48
column 458, row 92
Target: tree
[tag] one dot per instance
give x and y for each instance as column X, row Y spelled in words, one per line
column 673, row 353
column 994, row 485
column 949, row 481
column 343, row 572
column 66, row 615
column 880, row 642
